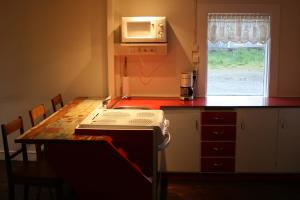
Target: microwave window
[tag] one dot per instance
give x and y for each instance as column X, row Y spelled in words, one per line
column 138, row 29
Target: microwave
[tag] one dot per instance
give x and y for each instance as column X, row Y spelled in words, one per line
column 144, row 29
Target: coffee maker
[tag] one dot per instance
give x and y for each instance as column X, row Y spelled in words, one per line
column 187, row 86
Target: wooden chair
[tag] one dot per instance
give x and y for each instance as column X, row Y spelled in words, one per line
column 26, row 173
column 37, row 114
column 57, row 100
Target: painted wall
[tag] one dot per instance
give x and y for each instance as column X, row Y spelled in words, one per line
column 160, row 76
column 50, row 47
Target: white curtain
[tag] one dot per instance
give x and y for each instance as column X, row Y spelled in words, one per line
column 239, row 28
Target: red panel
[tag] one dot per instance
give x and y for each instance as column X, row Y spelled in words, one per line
column 218, row 149
column 138, row 144
column 218, row 132
column 217, row 164
column 220, row 118
column 98, row 171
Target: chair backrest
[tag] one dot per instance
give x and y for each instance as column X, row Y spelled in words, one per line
column 57, row 100
column 7, row 129
column 38, row 112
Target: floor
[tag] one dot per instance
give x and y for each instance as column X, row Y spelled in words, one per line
column 234, row 191
column 179, row 190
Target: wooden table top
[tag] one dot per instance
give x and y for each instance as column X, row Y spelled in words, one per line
column 60, row 126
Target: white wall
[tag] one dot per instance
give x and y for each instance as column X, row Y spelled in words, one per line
column 159, row 75
column 165, row 72
column 50, row 47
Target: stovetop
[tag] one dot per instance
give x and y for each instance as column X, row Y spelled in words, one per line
column 117, row 119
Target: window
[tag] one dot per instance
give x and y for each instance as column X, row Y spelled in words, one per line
column 237, row 54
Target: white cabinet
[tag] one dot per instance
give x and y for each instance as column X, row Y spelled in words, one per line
column 183, row 152
column 267, row 140
column 288, row 159
column 256, row 140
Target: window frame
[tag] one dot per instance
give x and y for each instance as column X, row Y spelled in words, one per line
column 272, row 10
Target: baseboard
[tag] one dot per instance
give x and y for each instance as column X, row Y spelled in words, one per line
column 31, row 155
column 181, row 176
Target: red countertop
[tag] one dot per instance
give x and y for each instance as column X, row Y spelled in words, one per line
column 213, row 101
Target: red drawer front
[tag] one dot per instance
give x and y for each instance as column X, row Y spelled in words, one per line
column 217, row 164
column 217, row 149
column 219, row 118
column 218, row 132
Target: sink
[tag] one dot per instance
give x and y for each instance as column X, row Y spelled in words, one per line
column 132, row 107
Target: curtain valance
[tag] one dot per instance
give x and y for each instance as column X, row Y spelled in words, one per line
column 239, row 28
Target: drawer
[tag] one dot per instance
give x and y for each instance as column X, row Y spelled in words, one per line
column 217, row 165
column 217, row 149
column 218, row 118
column 218, row 132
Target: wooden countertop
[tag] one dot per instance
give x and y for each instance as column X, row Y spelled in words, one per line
column 60, row 126
column 213, row 101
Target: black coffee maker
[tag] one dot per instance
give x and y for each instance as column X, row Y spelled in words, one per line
column 187, row 86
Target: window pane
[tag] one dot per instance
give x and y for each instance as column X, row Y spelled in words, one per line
column 236, row 69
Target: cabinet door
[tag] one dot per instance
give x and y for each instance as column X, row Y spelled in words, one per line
column 289, row 140
column 183, row 152
column 256, row 140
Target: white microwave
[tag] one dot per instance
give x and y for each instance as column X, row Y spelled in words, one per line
column 144, row 29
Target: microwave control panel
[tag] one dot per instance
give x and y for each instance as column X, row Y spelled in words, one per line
column 161, row 30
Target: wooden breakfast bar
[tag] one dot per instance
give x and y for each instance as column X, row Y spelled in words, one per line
column 95, row 167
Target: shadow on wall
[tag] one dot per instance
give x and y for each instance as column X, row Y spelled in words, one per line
column 93, row 76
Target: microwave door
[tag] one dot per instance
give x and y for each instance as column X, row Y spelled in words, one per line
column 141, row 29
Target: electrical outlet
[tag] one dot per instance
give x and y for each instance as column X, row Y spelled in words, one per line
column 195, row 57
column 195, row 47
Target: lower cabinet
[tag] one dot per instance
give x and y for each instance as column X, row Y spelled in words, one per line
column 268, row 140
column 288, row 140
column 183, row 152
column 256, row 140
column 259, row 140
column 218, row 135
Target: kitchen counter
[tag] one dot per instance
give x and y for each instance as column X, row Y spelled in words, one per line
column 212, row 101
column 93, row 165
column 60, row 126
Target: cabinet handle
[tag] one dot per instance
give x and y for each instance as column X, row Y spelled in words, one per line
column 218, row 149
column 282, row 124
column 242, row 125
column 197, row 125
column 218, row 118
column 217, row 133
column 218, row 164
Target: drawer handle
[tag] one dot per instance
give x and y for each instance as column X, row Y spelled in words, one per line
column 217, row 133
column 218, row 118
column 218, row 164
column 218, row 149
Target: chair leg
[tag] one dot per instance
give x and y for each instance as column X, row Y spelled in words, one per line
column 11, row 188
column 51, row 193
column 59, row 192
column 26, row 193
column 38, row 193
